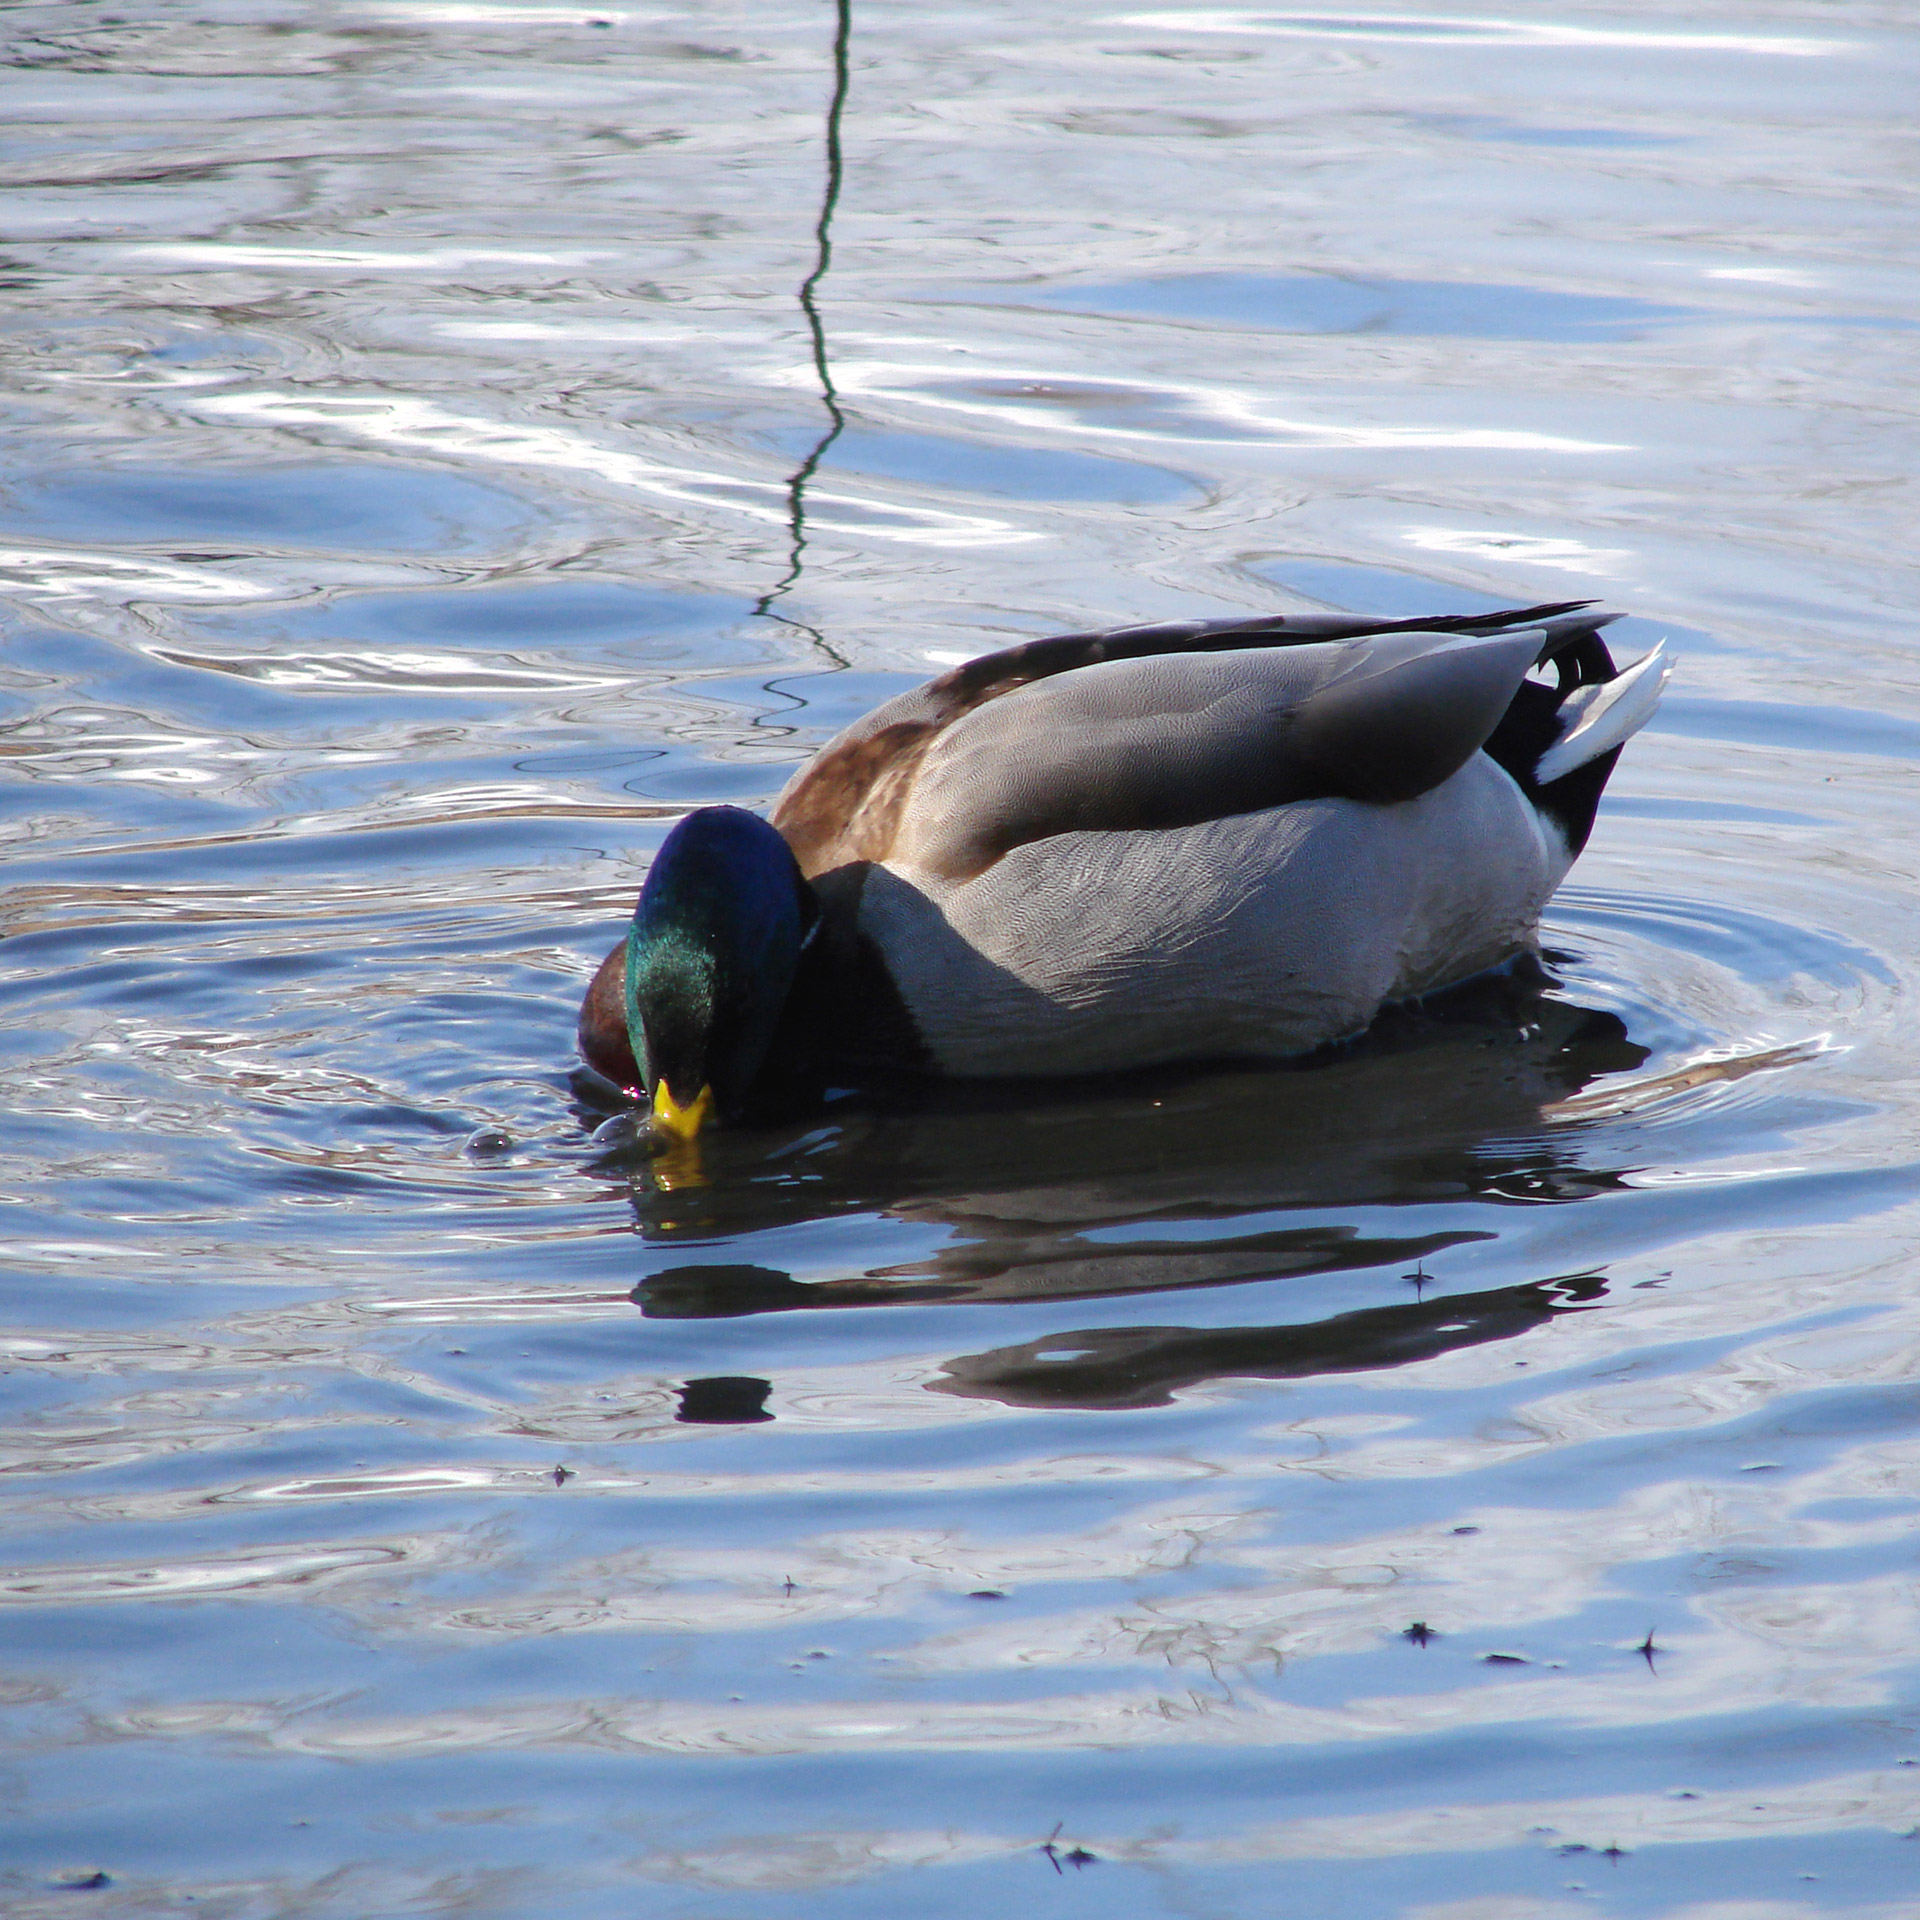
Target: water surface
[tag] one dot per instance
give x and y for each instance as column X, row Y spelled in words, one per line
column 1470, row 1477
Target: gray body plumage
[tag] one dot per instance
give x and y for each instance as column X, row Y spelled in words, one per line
column 1261, row 933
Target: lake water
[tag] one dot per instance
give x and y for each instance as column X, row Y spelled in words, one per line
column 1471, row 1478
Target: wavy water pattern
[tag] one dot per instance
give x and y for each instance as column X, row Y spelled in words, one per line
column 1467, row 1475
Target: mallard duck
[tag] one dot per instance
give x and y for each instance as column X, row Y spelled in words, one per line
column 1201, row 840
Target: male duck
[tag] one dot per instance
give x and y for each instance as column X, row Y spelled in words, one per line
column 1207, row 839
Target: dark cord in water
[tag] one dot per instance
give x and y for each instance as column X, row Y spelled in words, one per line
column 810, row 306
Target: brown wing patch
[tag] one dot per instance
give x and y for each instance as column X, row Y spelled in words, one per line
column 848, row 807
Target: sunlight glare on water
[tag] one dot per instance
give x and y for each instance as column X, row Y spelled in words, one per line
column 1471, row 1477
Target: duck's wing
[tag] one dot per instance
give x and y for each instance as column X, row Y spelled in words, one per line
column 1168, row 742
column 853, row 800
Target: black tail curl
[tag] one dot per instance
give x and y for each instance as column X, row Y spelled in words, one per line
column 1579, row 658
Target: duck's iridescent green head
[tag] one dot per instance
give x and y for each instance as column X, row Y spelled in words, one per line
column 711, row 956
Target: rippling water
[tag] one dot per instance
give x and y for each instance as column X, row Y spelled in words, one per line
column 1473, row 1477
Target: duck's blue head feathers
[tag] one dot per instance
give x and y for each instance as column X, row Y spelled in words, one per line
column 711, row 955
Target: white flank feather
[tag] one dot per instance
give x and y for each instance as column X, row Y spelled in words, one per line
column 1595, row 720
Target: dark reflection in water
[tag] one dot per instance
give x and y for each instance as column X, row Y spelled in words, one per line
column 1069, row 1193
column 1121, row 1367
column 817, row 336
column 1037, row 1264
column 1076, row 1192
column 726, row 1400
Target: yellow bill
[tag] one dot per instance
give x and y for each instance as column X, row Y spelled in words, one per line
column 675, row 1122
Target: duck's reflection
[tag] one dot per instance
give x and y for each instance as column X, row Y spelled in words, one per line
column 1378, row 1158
column 1118, row 1367
column 1199, row 1180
